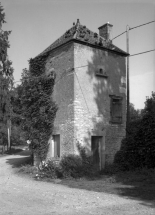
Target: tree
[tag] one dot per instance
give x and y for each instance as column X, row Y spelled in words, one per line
column 138, row 148
column 6, row 79
column 38, row 109
column 134, row 113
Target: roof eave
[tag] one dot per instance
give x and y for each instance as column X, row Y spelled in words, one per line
column 85, row 43
column 100, row 47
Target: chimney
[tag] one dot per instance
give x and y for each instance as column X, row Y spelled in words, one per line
column 105, row 31
column 78, row 22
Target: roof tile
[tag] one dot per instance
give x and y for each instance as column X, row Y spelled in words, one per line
column 82, row 33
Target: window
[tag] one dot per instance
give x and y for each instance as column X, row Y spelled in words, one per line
column 56, row 146
column 116, row 109
column 101, row 72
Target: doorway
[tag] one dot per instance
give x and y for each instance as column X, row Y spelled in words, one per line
column 96, row 149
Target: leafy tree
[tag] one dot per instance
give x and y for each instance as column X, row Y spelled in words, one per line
column 134, row 113
column 37, row 107
column 6, row 79
column 138, row 148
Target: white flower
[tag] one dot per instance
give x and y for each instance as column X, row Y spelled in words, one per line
column 28, row 141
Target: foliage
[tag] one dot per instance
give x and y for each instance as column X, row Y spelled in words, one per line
column 50, row 170
column 138, row 148
column 37, row 108
column 71, row 166
column 28, row 169
column 6, row 79
column 134, row 113
column 88, row 167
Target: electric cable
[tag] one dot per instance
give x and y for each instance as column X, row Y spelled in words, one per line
column 82, row 92
column 142, row 53
column 134, row 28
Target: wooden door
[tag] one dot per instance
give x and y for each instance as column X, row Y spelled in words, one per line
column 95, row 147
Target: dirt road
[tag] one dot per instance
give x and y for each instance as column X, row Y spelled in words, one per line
column 21, row 195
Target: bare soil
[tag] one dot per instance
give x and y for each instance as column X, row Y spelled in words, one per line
column 109, row 195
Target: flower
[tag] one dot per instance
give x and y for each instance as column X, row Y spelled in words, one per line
column 28, row 142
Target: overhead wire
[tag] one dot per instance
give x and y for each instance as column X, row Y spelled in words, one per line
column 142, row 52
column 133, row 28
column 63, row 74
column 82, row 91
column 141, row 25
column 112, row 39
column 87, row 65
column 119, row 35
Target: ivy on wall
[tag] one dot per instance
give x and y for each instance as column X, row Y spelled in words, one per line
column 38, row 108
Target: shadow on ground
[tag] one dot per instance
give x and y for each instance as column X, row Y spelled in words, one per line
column 139, row 188
column 25, row 158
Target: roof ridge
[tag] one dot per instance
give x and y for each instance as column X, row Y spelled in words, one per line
column 77, row 28
column 82, row 33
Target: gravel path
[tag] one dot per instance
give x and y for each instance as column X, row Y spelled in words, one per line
column 21, row 195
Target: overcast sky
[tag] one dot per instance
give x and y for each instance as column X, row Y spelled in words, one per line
column 35, row 24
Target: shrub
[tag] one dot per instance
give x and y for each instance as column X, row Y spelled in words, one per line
column 71, row 166
column 89, row 169
column 50, row 170
column 28, row 169
column 138, row 148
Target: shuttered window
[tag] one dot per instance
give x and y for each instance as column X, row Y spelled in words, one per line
column 116, row 109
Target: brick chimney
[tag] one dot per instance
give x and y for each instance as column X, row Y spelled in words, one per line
column 105, row 31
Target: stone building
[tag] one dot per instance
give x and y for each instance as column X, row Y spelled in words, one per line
column 90, row 91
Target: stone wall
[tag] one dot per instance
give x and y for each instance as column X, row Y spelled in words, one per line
column 83, row 98
column 61, row 61
column 92, row 101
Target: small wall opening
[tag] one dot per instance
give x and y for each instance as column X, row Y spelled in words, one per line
column 56, row 146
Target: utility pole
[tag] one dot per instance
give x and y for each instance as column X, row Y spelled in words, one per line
column 128, row 82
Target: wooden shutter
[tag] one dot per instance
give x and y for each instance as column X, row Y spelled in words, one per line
column 116, row 110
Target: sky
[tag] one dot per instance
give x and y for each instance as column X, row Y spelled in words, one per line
column 36, row 24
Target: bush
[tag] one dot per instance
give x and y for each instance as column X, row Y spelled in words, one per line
column 71, row 166
column 50, row 170
column 28, row 169
column 89, row 169
column 138, row 148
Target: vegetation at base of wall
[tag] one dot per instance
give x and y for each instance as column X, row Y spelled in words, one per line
column 28, row 169
column 138, row 148
column 70, row 166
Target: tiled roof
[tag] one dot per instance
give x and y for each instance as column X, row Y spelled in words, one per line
column 82, row 33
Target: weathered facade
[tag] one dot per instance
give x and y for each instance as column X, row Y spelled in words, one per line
column 90, row 91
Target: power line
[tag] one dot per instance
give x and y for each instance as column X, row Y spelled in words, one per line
column 63, row 74
column 142, row 52
column 119, row 35
column 133, row 28
column 141, row 25
column 82, row 92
